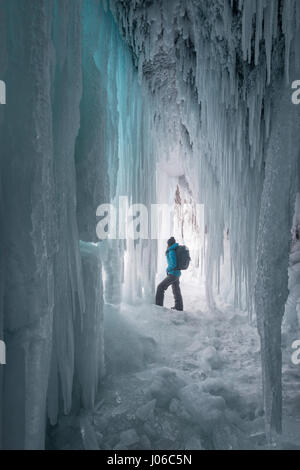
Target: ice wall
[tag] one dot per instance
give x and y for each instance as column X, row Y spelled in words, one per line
column 127, row 140
column 274, row 240
column 96, row 124
column 68, row 285
column 73, row 135
column 27, row 226
column 44, row 316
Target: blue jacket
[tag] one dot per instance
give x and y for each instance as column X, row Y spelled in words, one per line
column 172, row 261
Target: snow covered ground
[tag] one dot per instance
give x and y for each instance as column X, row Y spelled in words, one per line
column 176, row 380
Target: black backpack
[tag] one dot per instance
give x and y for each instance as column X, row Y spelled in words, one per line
column 183, row 258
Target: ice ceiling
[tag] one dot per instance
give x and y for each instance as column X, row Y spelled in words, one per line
column 136, row 98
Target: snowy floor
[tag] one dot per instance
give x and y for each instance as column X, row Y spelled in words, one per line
column 178, row 380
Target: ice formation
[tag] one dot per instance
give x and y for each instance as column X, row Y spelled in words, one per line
column 160, row 100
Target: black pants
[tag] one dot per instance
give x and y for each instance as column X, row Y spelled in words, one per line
column 163, row 286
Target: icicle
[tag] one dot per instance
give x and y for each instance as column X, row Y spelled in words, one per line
column 268, row 35
column 249, row 10
column 227, row 18
column 288, row 18
column 260, row 4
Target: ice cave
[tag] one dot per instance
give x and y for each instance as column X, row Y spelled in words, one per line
column 166, row 103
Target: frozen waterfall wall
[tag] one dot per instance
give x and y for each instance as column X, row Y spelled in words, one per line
column 27, row 225
column 115, row 154
column 71, row 137
column 230, row 66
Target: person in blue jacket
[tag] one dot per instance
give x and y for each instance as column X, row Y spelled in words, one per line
column 172, row 278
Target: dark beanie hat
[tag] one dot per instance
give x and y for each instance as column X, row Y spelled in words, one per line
column 171, row 241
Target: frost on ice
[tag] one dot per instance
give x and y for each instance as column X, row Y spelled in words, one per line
column 182, row 102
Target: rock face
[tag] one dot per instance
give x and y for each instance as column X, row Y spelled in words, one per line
column 190, row 87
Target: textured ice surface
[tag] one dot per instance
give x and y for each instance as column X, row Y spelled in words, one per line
column 172, row 402
column 190, row 95
column 27, row 213
column 193, row 405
